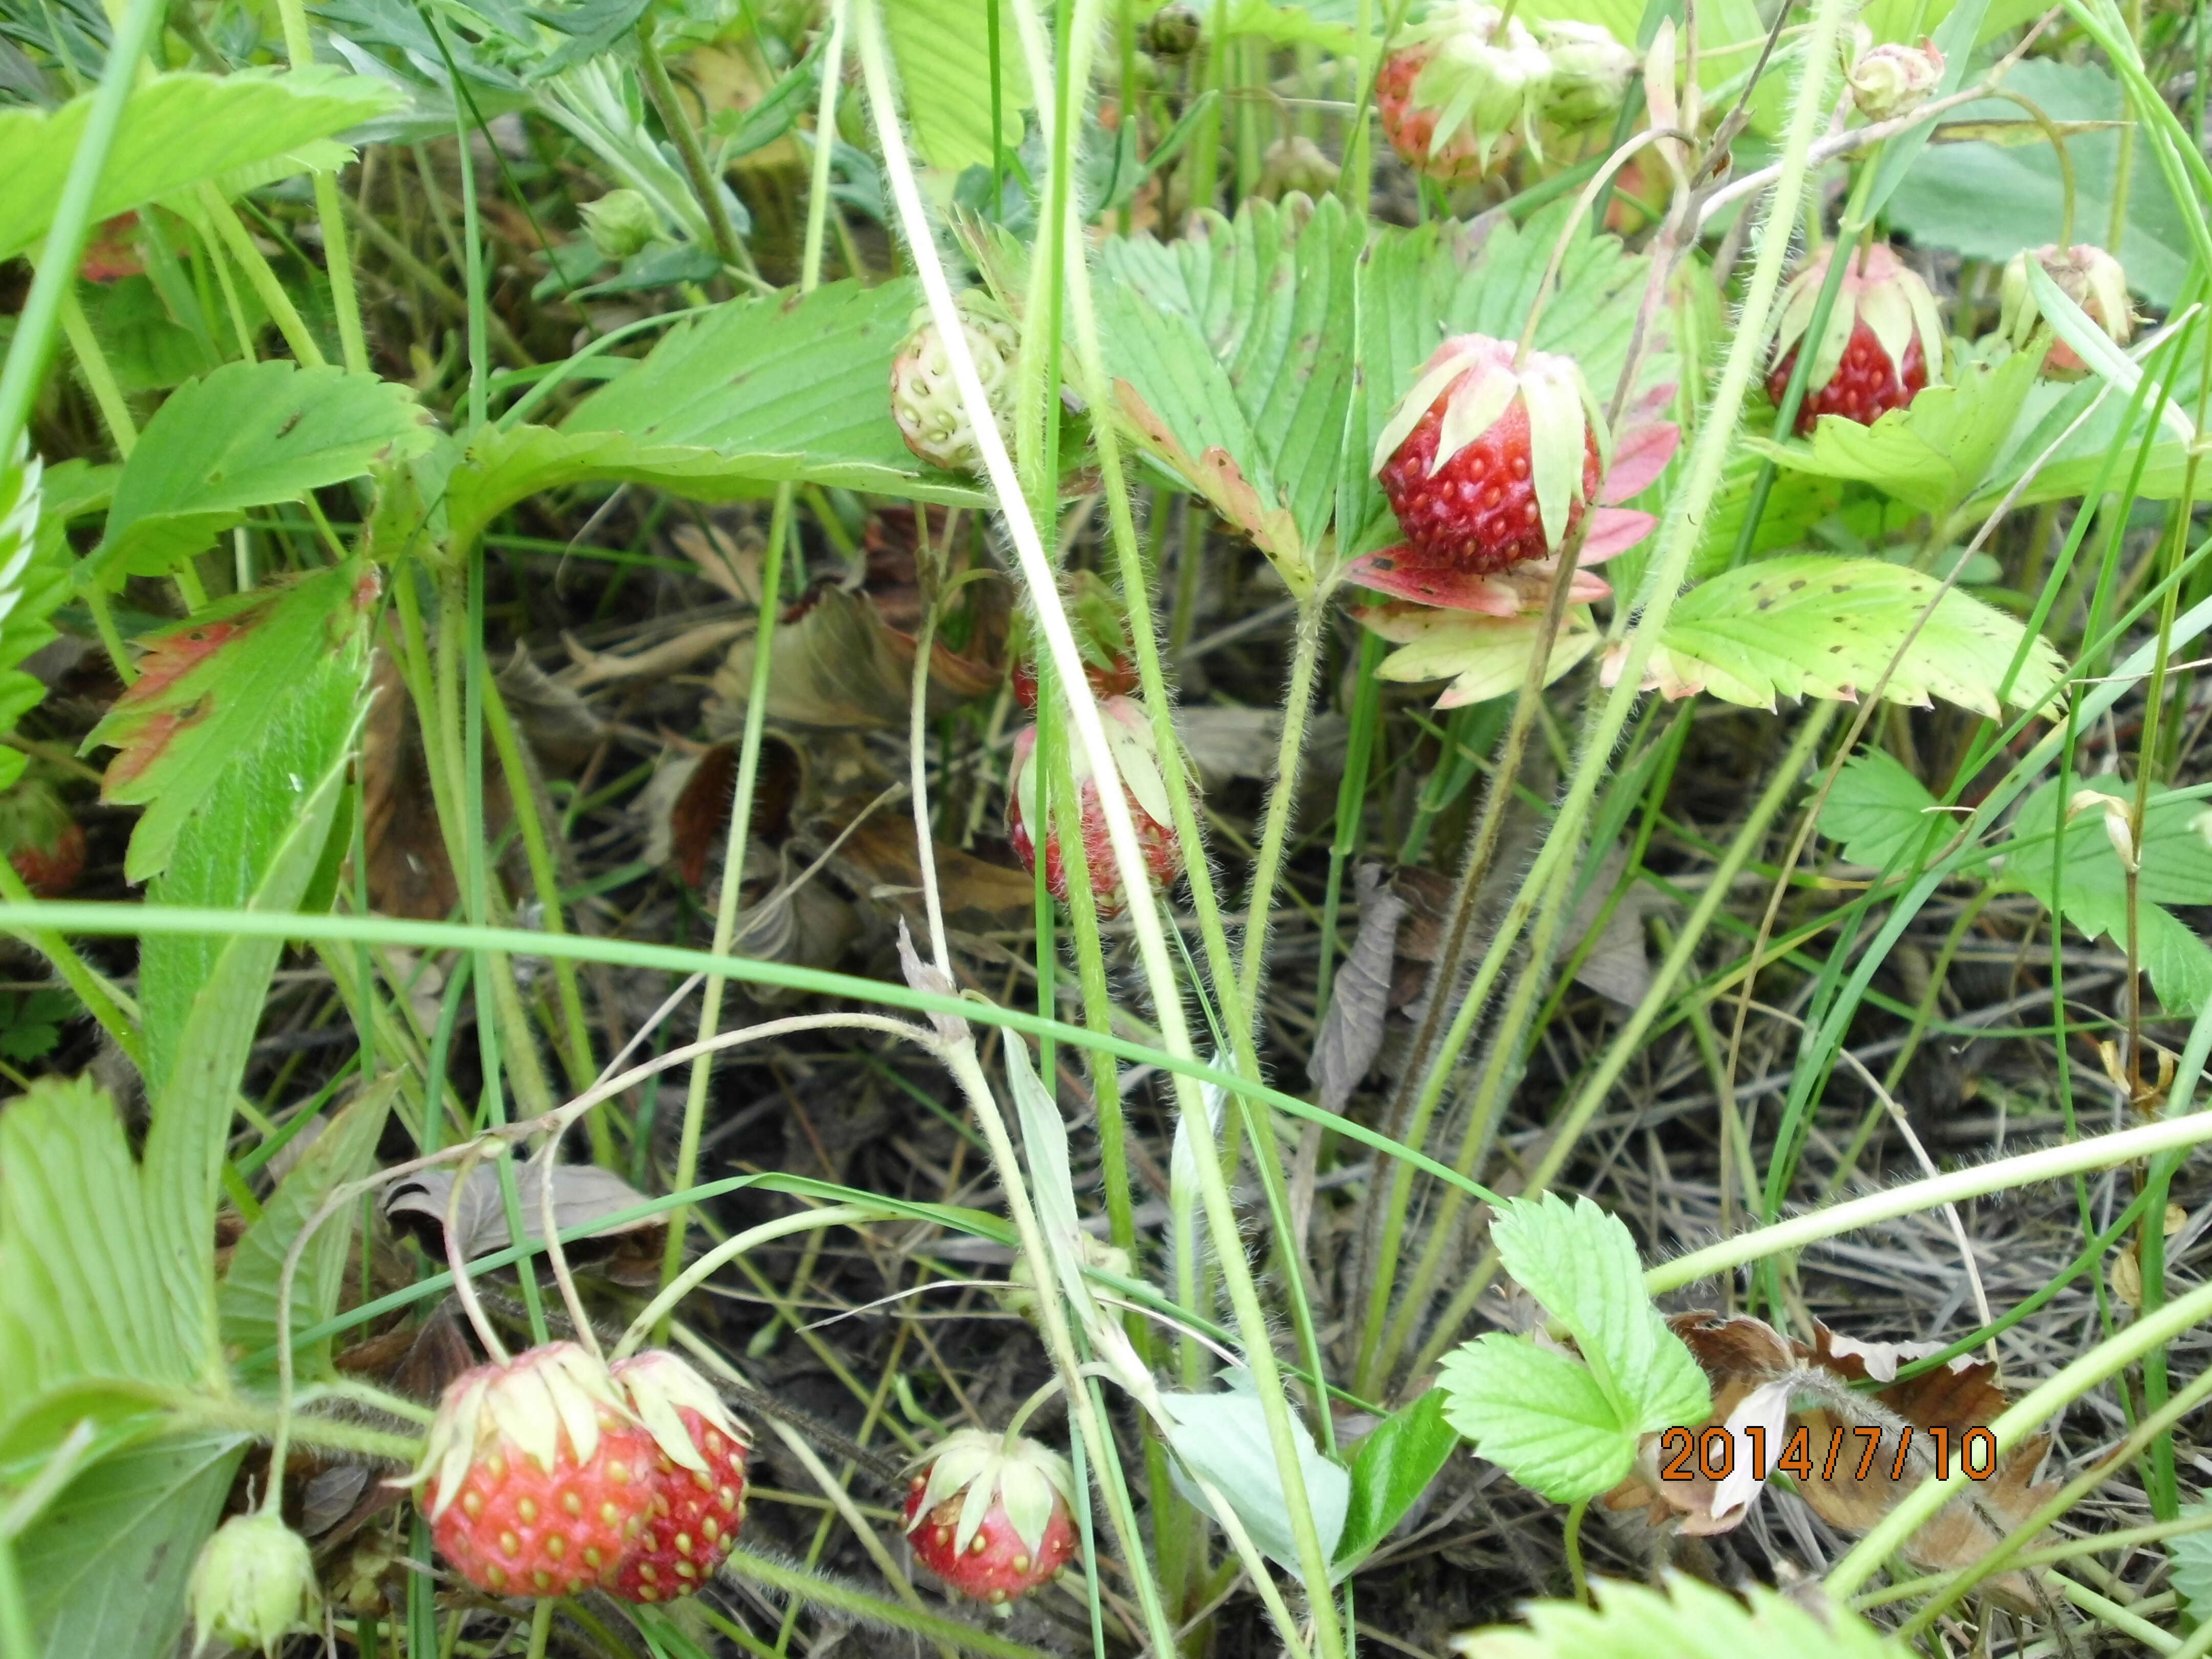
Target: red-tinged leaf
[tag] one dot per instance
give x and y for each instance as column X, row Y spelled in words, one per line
column 210, row 688
column 1404, row 573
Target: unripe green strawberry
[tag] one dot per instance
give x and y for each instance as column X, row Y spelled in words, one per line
column 994, row 1519
column 536, row 1479
column 698, row 1481
column 1884, row 340
column 1590, row 72
column 254, row 1585
column 1462, row 90
column 925, row 398
column 2087, row 275
column 1893, row 79
column 621, row 222
column 1129, row 734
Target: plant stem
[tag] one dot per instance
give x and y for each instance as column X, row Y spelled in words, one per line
column 1282, row 799
column 267, row 287
column 1575, row 1569
column 704, row 185
column 867, row 1610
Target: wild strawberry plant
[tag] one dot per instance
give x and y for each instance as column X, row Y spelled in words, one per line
column 607, row 612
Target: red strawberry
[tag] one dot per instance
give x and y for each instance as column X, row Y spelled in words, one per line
column 1883, row 339
column 992, row 1517
column 1118, row 680
column 536, row 1479
column 1488, row 465
column 1129, row 732
column 2085, row 274
column 1462, row 90
column 699, row 1492
column 41, row 839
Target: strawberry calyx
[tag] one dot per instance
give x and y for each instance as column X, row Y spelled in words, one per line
column 992, row 1514
column 1462, row 89
column 1136, row 757
column 1884, row 317
column 549, row 1403
column 2085, row 274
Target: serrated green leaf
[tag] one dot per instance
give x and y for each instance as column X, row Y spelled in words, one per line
column 1810, row 626
column 1234, row 350
column 1581, row 1263
column 105, row 1569
column 210, row 690
column 1332, row 25
column 943, row 50
column 1688, row 1620
column 81, row 1298
column 759, row 392
column 1879, row 812
column 1936, row 453
column 33, row 582
column 1390, row 1470
column 1988, row 202
column 1223, row 1438
column 2081, row 878
column 246, row 1304
column 177, row 130
column 2191, row 1555
column 249, row 435
column 1538, row 1414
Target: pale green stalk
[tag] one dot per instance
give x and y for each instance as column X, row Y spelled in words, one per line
column 1628, row 1042
column 1282, row 799
column 1067, row 660
column 749, row 744
column 330, row 211
column 866, row 1610
column 1953, row 1187
column 266, row 286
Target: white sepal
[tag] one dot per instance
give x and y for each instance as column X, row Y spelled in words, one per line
column 1472, row 408
column 1556, row 449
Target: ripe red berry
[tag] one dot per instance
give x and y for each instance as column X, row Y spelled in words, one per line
column 1882, row 345
column 1472, row 74
column 1118, row 680
column 992, row 1518
column 1865, row 387
column 536, row 1479
column 1488, row 463
column 1129, row 733
column 698, row 1503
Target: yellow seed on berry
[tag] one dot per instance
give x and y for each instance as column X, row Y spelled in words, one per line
column 509, row 1544
column 729, row 1497
column 979, row 1546
column 557, row 1545
column 1021, row 1563
column 607, row 1513
column 709, row 1529
column 649, row 1573
column 495, row 1465
column 472, row 1502
column 685, row 1570
column 527, row 1510
column 944, row 1536
column 617, row 1471
column 573, row 1502
column 498, row 1576
column 701, row 1479
column 543, row 1579
column 592, row 1558
column 684, row 1543
column 996, row 1598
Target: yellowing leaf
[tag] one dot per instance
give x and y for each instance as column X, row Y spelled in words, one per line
column 1812, row 626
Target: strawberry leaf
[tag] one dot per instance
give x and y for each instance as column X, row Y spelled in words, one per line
column 239, row 130
column 105, row 1570
column 1936, row 453
column 1810, row 626
column 33, row 581
column 1567, row 1424
column 212, row 688
column 1879, row 812
column 1390, row 1470
column 1687, row 1620
column 82, row 1298
column 249, row 435
column 942, row 50
column 247, row 1302
column 2083, row 879
column 1222, row 1437
column 770, row 390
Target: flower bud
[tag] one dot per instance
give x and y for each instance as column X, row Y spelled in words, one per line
column 2087, row 275
column 1590, row 72
column 1892, row 80
column 621, row 222
column 1173, row 31
column 254, row 1583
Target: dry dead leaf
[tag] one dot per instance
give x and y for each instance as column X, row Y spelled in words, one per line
column 582, row 1193
column 563, row 728
column 732, row 564
column 1351, row 1035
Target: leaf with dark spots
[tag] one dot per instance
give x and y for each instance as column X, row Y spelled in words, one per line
column 211, row 688
column 246, row 435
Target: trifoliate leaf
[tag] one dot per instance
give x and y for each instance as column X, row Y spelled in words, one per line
column 2083, row 879
column 2191, row 1554
column 1879, row 811
column 1810, row 626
